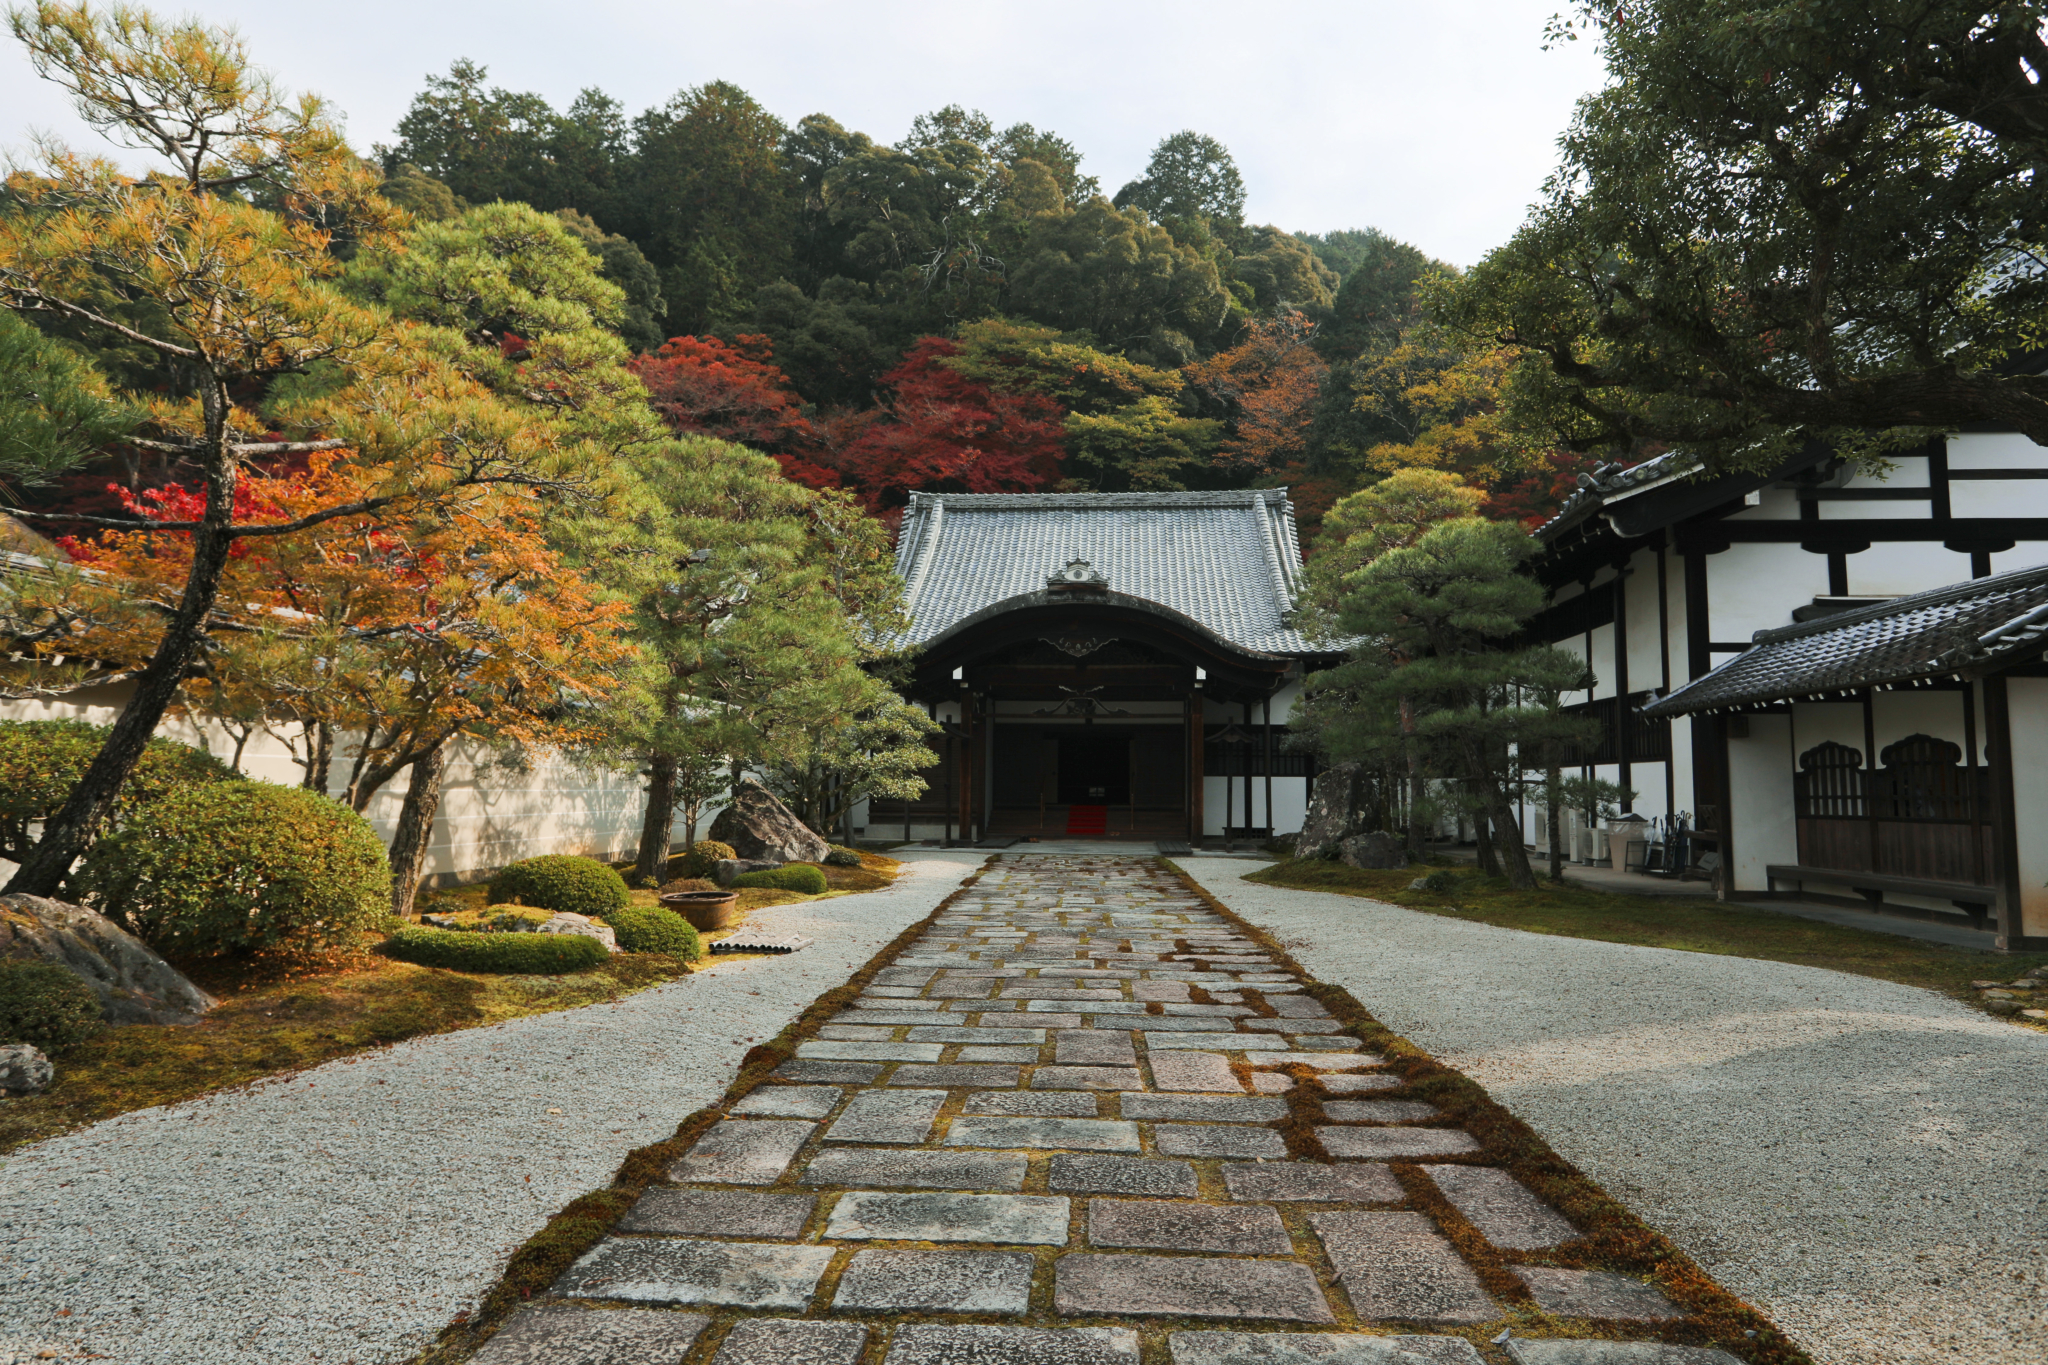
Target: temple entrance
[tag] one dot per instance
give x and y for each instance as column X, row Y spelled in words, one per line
column 1093, row 771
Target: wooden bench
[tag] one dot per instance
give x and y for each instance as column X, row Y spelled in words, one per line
column 1977, row 902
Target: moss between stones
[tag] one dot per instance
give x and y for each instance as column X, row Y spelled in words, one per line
column 1615, row 1238
column 584, row 1221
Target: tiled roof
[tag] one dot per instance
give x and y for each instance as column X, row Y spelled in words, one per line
column 1228, row 560
column 1611, row 480
column 1929, row 635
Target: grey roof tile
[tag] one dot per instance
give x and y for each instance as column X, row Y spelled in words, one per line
column 1229, row 560
column 1934, row 634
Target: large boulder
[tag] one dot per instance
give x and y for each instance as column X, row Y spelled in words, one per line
column 134, row 985
column 760, row 827
column 566, row 922
column 1374, row 850
column 726, row 871
column 24, row 1070
column 1338, row 807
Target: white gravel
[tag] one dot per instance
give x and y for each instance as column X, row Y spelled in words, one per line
column 348, row 1213
column 1866, row 1162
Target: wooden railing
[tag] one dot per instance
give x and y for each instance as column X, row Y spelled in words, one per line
column 1923, row 814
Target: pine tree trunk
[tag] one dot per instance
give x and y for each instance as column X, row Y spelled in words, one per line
column 1482, row 842
column 319, row 756
column 415, row 832
column 71, row 831
column 655, row 829
column 1553, row 815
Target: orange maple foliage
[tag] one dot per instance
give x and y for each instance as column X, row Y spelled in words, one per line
column 401, row 631
column 1269, row 384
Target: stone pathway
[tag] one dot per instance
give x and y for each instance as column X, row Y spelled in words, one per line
column 1054, row 1130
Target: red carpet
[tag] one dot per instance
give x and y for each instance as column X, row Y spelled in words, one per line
column 1087, row 819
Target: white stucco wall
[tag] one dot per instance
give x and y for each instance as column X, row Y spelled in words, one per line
column 2028, row 702
column 1760, row 793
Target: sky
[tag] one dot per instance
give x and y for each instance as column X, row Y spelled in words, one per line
column 1435, row 122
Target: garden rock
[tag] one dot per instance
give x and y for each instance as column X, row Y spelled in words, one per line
column 842, row 857
column 134, row 985
column 728, row 870
column 1335, row 811
column 758, row 825
column 562, row 922
column 24, row 1070
column 1375, row 850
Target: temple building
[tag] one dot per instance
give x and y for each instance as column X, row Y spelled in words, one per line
column 1108, row 665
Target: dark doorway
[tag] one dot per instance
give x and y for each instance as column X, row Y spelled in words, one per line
column 1094, row 771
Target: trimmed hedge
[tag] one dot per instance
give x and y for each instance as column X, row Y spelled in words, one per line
column 501, row 954
column 561, row 882
column 241, row 866
column 655, row 929
column 42, row 760
column 789, row 877
column 697, row 861
column 46, row 1006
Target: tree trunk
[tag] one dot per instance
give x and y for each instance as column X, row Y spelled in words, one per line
column 415, row 832
column 1482, row 843
column 71, row 831
column 1553, row 815
column 655, row 829
column 1415, row 831
column 319, row 756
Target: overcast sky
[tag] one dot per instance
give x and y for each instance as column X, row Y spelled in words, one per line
column 1434, row 122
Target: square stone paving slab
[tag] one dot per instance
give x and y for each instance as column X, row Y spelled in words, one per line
column 1504, row 1210
column 924, row 1169
column 1298, row 1007
column 1086, row 1078
column 1317, row 1061
column 1187, row 1286
column 1395, row 1144
column 1121, row 1175
column 927, row 1344
column 675, row 1270
column 832, row 1073
column 742, row 1152
column 956, row 1033
column 783, row 1341
column 1311, row 1182
column 1379, row 1111
column 1613, row 1353
column 1158, row 1040
column 1285, row 1025
column 855, row 1033
column 789, row 1101
column 1397, row 1265
column 1194, row 1071
column 1217, row 1140
column 937, row 1282
column 1025, row 1219
column 870, row 1052
column 719, row 1213
column 1094, row 1047
column 562, row 1334
column 993, row 1020
column 888, row 1116
column 1361, row 1082
column 1596, row 1294
column 953, row 1074
column 1318, row 1348
column 985, row 1053
column 1214, row 1108
column 1087, row 1135
column 1045, row 1104
column 1231, row 1229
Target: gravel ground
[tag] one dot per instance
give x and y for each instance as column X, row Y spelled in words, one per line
column 1866, row 1162
column 346, row 1214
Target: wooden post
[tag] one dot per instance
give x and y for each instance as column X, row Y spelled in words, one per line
column 967, row 719
column 1998, row 741
column 1870, row 790
column 1272, row 831
column 1198, row 757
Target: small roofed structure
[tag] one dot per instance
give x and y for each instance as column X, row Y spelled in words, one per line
column 1109, row 664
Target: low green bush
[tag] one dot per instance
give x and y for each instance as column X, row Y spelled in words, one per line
column 234, row 867
column 701, row 855
column 557, row 881
column 789, row 877
column 46, row 1006
column 500, row 954
column 652, row 929
column 42, row 760
column 837, row 856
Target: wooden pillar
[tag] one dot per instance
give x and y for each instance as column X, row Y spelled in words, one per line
column 1998, row 743
column 1197, row 757
column 1980, row 866
column 966, row 793
column 1622, row 725
column 1870, row 790
column 1272, row 829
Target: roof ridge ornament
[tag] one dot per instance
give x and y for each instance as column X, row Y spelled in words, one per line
column 1078, row 576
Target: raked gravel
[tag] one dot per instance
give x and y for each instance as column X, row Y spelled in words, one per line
column 1866, row 1162
column 347, row 1213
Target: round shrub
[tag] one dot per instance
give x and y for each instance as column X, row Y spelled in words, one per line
column 46, row 1006
column 239, row 866
column 502, row 954
column 789, row 877
column 42, row 760
column 652, row 929
column 838, row 856
column 561, row 882
column 701, row 855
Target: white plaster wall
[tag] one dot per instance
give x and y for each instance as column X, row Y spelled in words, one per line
column 1760, row 791
column 1681, row 763
column 1645, row 659
column 2000, row 497
column 2028, row 702
column 1602, row 661
column 1755, row 587
column 2024, row 555
column 1772, row 504
column 498, row 803
column 1995, row 450
column 1894, row 715
column 1896, row 568
column 1818, row 722
column 1290, row 804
